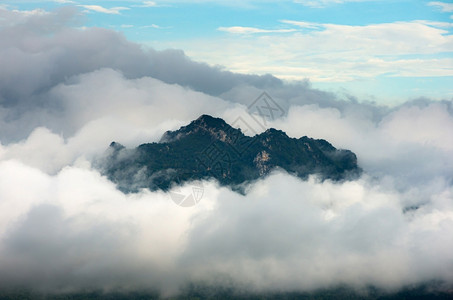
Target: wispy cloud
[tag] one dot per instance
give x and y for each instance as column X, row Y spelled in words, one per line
column 152, row 26
column 324, row 3
column 313, row 25
column 435, row 24
column 336, row 53
column 149, row 4
column 64, row 1
column 100, row 9
column 445, row 7
column 14, row 16
column 302, row 24
column 252, row 30
column 34, row 12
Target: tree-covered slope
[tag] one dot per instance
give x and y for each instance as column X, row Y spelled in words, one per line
column 210, row 148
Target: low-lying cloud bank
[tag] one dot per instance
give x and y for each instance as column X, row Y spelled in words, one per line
column 66, row 93
column 76, row 231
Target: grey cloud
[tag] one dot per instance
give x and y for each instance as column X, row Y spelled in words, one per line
column 50, row 249
column 42, row 52
column 100, row 107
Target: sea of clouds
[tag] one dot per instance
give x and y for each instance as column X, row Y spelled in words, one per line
column 67, row 92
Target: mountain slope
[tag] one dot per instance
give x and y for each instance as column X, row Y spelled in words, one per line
column 210, row 148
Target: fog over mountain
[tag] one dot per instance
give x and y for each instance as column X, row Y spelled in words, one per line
column 66, row 93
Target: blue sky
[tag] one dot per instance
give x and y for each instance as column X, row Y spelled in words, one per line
column 384, row 51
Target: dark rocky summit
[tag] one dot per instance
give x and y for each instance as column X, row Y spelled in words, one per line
column 210, row 148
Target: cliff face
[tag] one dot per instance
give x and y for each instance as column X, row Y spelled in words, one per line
column 210, row 148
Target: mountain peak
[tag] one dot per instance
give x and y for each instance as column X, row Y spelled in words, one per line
column 274, row 132
column 207, row 118
column 216, row 127
column 116, row 146
column 207, row 121
column 210, row 148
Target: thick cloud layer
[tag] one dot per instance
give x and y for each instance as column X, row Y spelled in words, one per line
column 39, row 52
column 66, row 93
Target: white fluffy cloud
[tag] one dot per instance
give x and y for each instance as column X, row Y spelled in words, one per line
column 82, row 233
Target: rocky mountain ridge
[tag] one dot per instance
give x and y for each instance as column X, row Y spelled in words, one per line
column 208, row 148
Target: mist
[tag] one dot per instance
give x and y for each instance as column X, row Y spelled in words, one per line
column 66, row 93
